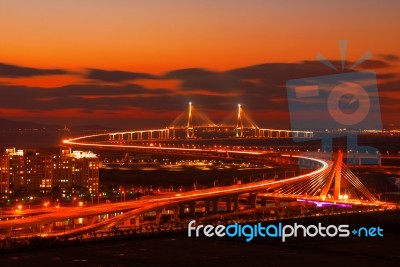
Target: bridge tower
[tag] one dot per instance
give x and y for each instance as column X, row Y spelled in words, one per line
column 335, row 176
column 189, row 126
column 239, row 122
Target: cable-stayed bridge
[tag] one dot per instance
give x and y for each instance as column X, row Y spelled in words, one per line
column 188, row 125
column 319, row 181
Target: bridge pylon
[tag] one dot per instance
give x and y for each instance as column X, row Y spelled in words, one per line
column 336, row 183
column 239, row 122
column 189, row 126
column 335, row 177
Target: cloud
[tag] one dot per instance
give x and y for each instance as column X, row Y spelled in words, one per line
column 282, row 71
column 390, row 57
column 261, row 89
column 374, row 64
column 183, row 74
column 89, row 97
column 257, row 83
column 386, row 76
column 14, row 71
column 390, row 86
column 116, row 76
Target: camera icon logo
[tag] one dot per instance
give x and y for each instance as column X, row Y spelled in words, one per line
column 358, row 95
column 343, row 104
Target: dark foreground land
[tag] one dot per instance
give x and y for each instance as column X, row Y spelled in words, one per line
column 183, row 251
column 180, row 250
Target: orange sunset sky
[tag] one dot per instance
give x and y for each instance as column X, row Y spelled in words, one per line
column 131, row 64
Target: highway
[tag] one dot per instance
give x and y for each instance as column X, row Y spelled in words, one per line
column 135, row 208
column 124, row 211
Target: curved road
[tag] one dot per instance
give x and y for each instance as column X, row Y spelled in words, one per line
column 138, row 207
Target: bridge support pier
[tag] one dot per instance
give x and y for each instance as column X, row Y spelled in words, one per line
column 215, row 205
column 177, row 213
column 253, row 200
column 158, row 216
column 137, row 221
column 236, row 203
column 228, row 204
column 207, row 205
column 263, row 201
column 181, row 209
column 192, row 208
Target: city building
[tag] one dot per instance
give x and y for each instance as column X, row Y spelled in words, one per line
column 4, row 176
column 73, row 170
column 39, row 172
column 30, row 171
column 16, row 168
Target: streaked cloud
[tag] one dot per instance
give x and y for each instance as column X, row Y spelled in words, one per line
column 116, row 76
column 260, row 88
column 14, row 71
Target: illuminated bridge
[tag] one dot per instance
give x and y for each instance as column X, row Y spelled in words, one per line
column 321, row 182
column 317, row 181
column 190, row 124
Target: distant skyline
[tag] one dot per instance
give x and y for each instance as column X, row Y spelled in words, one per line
column 131, row 64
